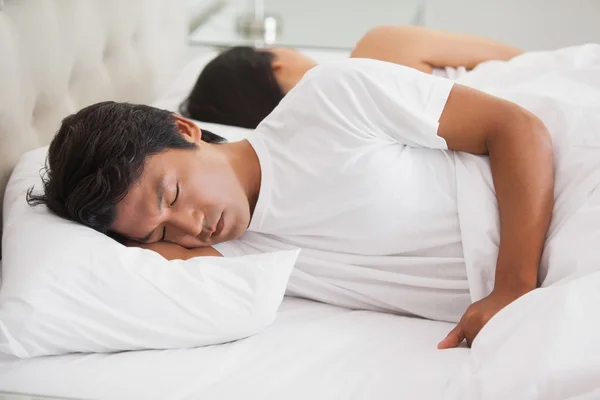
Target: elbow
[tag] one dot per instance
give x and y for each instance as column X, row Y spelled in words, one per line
column 540, row 134
column 525, row 130
column 381, row 40
column 541, row 141
column 404, row 45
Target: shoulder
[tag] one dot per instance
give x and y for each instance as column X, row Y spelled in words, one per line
column 323, row 88
column 354, row 77
column 336, row 72
column 333, row 82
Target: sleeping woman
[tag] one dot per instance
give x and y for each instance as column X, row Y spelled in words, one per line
column 242, row 85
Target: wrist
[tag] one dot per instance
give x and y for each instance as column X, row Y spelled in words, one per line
column 513, row 288
column 515, row 278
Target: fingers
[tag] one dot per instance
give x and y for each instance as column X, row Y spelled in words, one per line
column 454, row 338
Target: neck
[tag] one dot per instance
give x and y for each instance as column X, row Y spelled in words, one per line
column 287, row 83
column 244, row 162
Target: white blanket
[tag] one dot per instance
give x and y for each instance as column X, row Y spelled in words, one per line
column 548, row 339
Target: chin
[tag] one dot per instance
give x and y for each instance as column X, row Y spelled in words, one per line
column 233, row 230
column 236, row 234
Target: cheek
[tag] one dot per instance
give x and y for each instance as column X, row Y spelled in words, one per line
column 240, row 224
column 202, row 189
column 131, row 220
column 217, row 189
column 214, row 189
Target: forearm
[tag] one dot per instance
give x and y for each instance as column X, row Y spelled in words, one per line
column 520, row 153
column 442, row 49
column 424, row 49
column 186, row 254
column 521, row 164
column 172, row 251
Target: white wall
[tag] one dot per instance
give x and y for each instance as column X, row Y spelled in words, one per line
column 338, row 23
column 528, row 24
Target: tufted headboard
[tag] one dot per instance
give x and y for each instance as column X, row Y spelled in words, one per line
column 57, row 56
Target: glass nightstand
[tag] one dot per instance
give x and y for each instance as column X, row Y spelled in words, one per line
column 325, row 24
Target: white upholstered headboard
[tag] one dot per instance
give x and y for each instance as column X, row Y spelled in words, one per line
column 57, row 56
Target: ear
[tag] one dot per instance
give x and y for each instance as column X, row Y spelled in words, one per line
column 188, row 129
column 277, row 66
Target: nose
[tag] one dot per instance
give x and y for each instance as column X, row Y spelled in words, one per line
column 187, row 222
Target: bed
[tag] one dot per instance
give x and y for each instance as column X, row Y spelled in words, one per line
column 313, row 350
column 542, row 346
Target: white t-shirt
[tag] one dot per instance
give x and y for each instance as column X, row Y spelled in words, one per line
column 354, row 174
column 450, row 72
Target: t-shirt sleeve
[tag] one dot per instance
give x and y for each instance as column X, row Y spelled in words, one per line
column 377, row 98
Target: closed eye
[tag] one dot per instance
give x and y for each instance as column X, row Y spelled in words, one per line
column 164, row 235
column 176, row 196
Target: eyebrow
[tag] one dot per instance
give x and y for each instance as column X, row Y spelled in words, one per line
column 160, row 193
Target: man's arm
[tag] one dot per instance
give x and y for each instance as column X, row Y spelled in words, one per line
column 520, row 152
column 172, row 251
column 425, row 49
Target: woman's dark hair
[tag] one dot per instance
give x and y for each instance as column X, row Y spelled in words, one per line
column 237, row 88
column 98, row 153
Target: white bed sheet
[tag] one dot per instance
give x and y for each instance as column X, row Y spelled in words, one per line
column 313, row 351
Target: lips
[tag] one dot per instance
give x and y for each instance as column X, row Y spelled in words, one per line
column 219, row 227
column 213, row 231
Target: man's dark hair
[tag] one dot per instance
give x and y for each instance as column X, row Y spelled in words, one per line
column 237, row 88
column 98, row 153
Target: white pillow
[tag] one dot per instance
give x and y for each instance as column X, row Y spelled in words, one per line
column 67, row 288
column 181, row 87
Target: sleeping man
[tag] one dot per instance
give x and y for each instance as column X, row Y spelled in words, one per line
column 384, row 176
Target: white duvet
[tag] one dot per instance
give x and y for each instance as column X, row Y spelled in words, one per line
column 544, row 345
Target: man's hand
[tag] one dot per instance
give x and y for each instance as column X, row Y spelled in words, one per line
column 475, row 318
column 172, row 251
